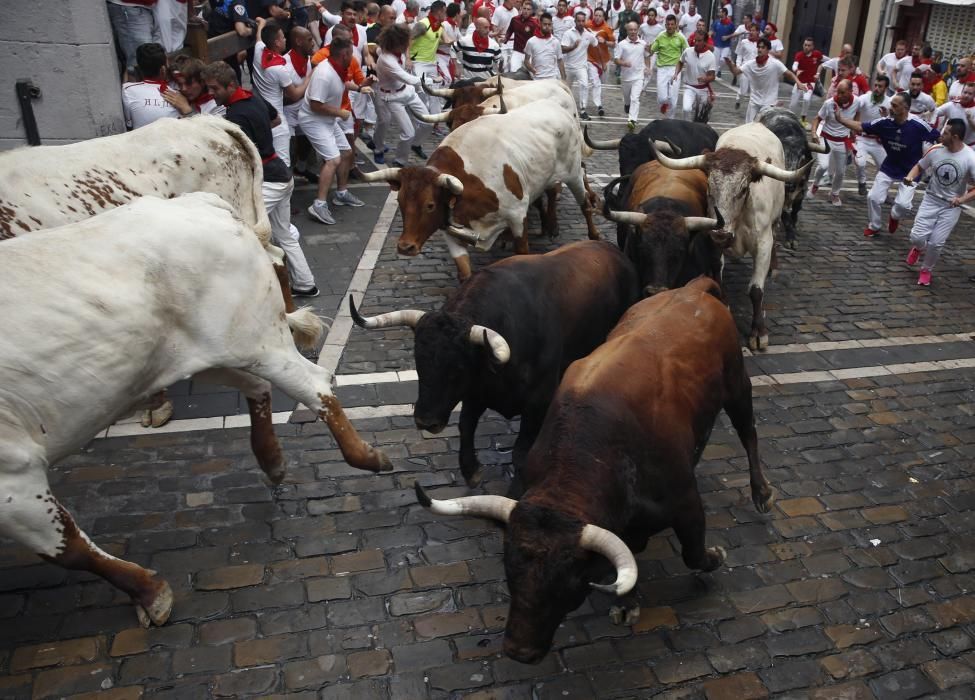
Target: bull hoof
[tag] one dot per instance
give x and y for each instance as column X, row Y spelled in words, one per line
column 158, row 417
column 713, row 558
column 375, row 461
column 475, row 478
column 793, row 244
column 158, row 611
column 758, row 342
column 763, row 498
column 276, row 473
column 620, row 615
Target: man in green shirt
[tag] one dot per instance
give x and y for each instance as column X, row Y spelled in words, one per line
column 427, row 35
column 668, row 47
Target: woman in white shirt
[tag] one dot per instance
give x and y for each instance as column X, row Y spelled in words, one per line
column 398, row 100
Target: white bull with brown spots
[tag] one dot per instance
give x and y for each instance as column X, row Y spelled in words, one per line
column 483, row 177
column 132, row 301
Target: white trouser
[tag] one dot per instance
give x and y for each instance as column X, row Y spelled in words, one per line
column 277, row 201
column 578, row 78
column 517, row 60
column 443, row 67
column 933, row 224
column 807, row 96
column 398, row 108
column 833, row 162
column 868, row 147
column 595, row 84
column 434, row 104
column 281, row 138
column 631, row 97
column 721, row 54
column 692, row 98
column 506, row 55
column 744, row 87
column 667, row 92
column 754, row 108
column 363, row 107
column 878, row 195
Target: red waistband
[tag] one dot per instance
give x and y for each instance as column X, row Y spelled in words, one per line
column 265, row 161
column 830, row 137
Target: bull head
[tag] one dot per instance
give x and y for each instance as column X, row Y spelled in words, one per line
column 425, row 198
column 547, row 555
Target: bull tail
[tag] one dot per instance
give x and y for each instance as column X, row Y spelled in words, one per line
column 306, row 327
column 262, row 225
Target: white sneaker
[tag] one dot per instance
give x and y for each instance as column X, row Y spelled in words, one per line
column 320, row 212
column 347, row 200
column 835, row 200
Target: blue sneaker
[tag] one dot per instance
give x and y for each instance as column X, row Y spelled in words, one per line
column 379, row 158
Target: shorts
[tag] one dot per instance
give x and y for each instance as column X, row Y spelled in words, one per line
column 347, row 125
column 326, row 136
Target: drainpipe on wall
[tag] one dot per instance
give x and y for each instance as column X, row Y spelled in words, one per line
column 881, row 32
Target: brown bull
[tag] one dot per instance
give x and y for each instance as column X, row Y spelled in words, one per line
column 614, row 461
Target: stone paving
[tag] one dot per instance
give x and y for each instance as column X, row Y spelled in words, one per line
column 859, row 584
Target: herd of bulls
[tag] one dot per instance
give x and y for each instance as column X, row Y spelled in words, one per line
column 617, row 359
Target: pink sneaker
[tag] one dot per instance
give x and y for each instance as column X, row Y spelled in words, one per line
column 869, row 232
column 892, row 224
column 813, row 189
column 924, row 279
column 913, row 257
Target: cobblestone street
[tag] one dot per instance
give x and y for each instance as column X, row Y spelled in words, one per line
column 859, row 584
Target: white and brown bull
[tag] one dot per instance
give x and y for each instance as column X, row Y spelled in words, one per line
column 47, row 186
column 131, row 301
column 485, row 175
column 746, row 189
column 504, row 100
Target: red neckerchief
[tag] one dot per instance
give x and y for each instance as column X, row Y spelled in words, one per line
column 699, row 52
column 596, row 26
column 969, row 78
column 915, row 61
column 343, row 71
column 299, row 62
column 239, row 94
column 434, row 24
column 651, row 24
column 201, row 100
column 354, row 29
column 762, row 60
column 560, row 14
column 409, row 15
column 162, row 84
column 848, row 102
column 451, row 21
column 726, row 21
column 963, row 103
column 271, row 58
column 481, row 42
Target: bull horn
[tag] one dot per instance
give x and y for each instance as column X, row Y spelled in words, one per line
column 689, row 163
column 481, row 335
column 405, row 317
column 502, row 107
column 635, row 218
column 383, row 175
column 610, row 145
column 666, row 147
column 489, row 92
column 494, row 507
column 437, row 118
column 818, row 146
column 700, row 223
column 436, row 92
column 602, row 541
column 782, row 174
column 451, row 183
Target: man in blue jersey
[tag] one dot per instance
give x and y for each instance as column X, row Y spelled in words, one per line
column 903, row 138
column 721, row 29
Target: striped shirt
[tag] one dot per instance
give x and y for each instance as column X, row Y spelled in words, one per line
column 477, row 63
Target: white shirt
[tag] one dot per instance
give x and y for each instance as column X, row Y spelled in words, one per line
column 143, row 103
column 747, row 51
column 577, row 57
column 560, row 25
column 545, row 55
column 923, row 103
column 390, row 73
column 270, row 82
column 886, row 65
column 634, row 53
column 828, row 116
column 696, row 65
column 764, row 80
column 905, row 67
column 357, row 48
column 650, row 32
column 777, row 46
column 869, row 110
column 291, row 111
column 954, row 92
column 688, row 23
column 951, row 173
column 954, row 110
column 326, row 87
column 501, row 19
column 580, row 8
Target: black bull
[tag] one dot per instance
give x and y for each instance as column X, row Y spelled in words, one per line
column 614, row 461
column 505, row 336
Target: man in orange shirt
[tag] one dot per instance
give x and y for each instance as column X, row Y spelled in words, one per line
column 357, row 81
column 599, row 55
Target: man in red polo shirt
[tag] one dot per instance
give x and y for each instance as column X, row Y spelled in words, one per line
column 805, row 65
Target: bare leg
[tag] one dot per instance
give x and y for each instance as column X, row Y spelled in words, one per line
column 470, row 468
